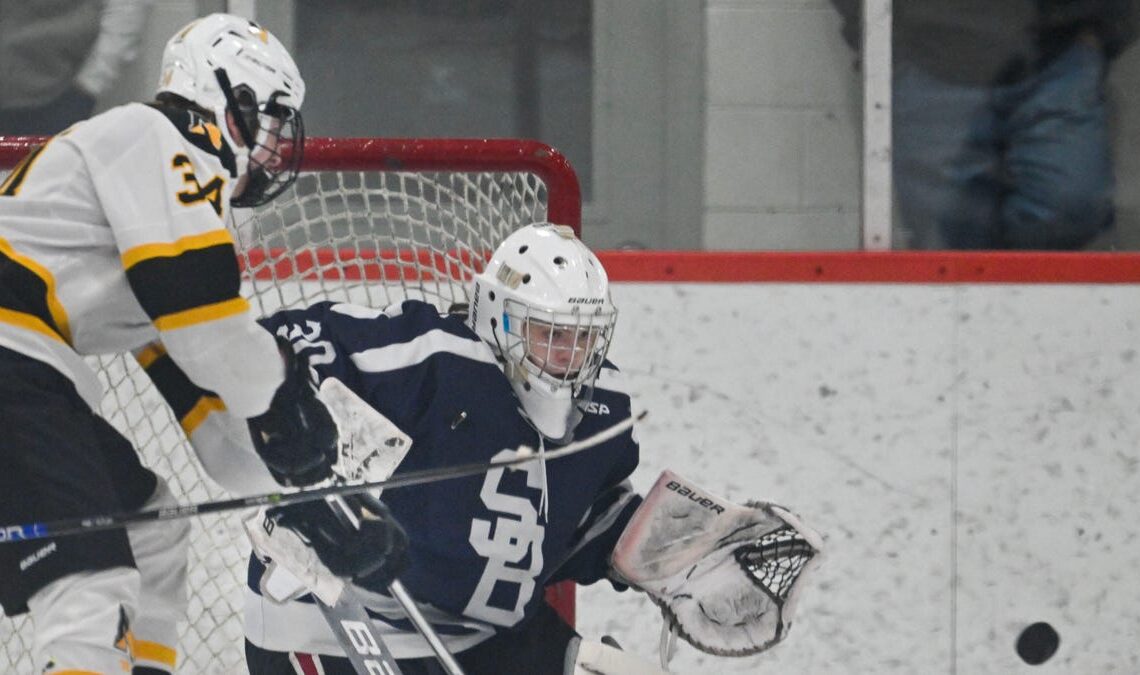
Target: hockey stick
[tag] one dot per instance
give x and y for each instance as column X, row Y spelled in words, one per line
column 66, row 526
column 350, row 621
column 353, row 627
column 356, row 632
column 401, row 595
column 370, row 447
column 446, row 659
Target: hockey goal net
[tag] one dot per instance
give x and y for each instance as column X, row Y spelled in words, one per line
column 371, row 221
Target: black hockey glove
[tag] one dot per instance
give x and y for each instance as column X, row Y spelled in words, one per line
column 296, row 437
column 372, row 556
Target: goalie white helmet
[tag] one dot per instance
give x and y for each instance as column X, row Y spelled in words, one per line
column 543, row 305
column 226, row 63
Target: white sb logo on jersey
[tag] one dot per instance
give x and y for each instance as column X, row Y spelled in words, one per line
column 505, row 543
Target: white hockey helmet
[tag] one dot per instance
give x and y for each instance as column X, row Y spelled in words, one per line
column 543, row 305
column 226, row 63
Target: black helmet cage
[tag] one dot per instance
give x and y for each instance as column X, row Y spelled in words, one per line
column 275, row 136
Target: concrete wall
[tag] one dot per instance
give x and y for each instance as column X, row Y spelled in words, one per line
column 782, row 130
column 968, row 452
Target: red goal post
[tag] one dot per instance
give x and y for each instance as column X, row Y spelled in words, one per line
column 369, row 220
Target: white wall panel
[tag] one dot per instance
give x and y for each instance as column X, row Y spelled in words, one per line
column 754, row 159
column 814, row 230
column 764, row 52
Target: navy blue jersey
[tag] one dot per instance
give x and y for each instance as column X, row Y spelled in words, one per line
column 482, row 547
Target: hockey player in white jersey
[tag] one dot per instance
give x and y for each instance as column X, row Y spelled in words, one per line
column 525, row 366
column 112, row 234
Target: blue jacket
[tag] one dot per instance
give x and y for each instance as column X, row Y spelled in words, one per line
column 995, row 41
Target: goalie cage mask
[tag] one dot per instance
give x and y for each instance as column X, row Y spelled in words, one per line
column 543, row 305
column 726, row 578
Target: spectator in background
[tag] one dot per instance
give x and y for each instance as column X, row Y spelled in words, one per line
column 1001, row 134
column 58, row 56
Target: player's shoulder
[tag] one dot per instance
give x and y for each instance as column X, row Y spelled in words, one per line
column 121, row 127
column 612, row 380
column 198, row 132
column 130, row 131
column 418, row 317
column 611, row 399
column 398, row 323
column 408, row 311
column 403, row 335
column 142, row 127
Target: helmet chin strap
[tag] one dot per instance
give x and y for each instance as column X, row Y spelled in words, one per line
column 232, row 104
column 240, row 147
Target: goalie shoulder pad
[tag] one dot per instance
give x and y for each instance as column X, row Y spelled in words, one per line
column 726, row 577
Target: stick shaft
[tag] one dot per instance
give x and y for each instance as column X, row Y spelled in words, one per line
column 411, row 610
column 446, row 659
column 358, row 637
column 67, row 526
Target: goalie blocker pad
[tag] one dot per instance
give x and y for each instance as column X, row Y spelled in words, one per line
column 370, row 447
column 726, row 577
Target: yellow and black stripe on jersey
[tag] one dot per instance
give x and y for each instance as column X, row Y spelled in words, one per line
column 11, row 185
column 202, row 133
column 27, row 296
column 186, row 282
column 191, row 404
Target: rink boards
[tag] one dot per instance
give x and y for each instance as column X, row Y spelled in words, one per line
column 969, row 451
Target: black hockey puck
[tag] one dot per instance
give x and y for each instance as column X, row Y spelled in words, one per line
column 1037, row 643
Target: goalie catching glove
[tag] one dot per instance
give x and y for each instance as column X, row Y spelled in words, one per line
column 726, row 577
column 296, row 437
column 355, row 537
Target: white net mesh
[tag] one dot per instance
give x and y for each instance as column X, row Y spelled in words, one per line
column 372, row 237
